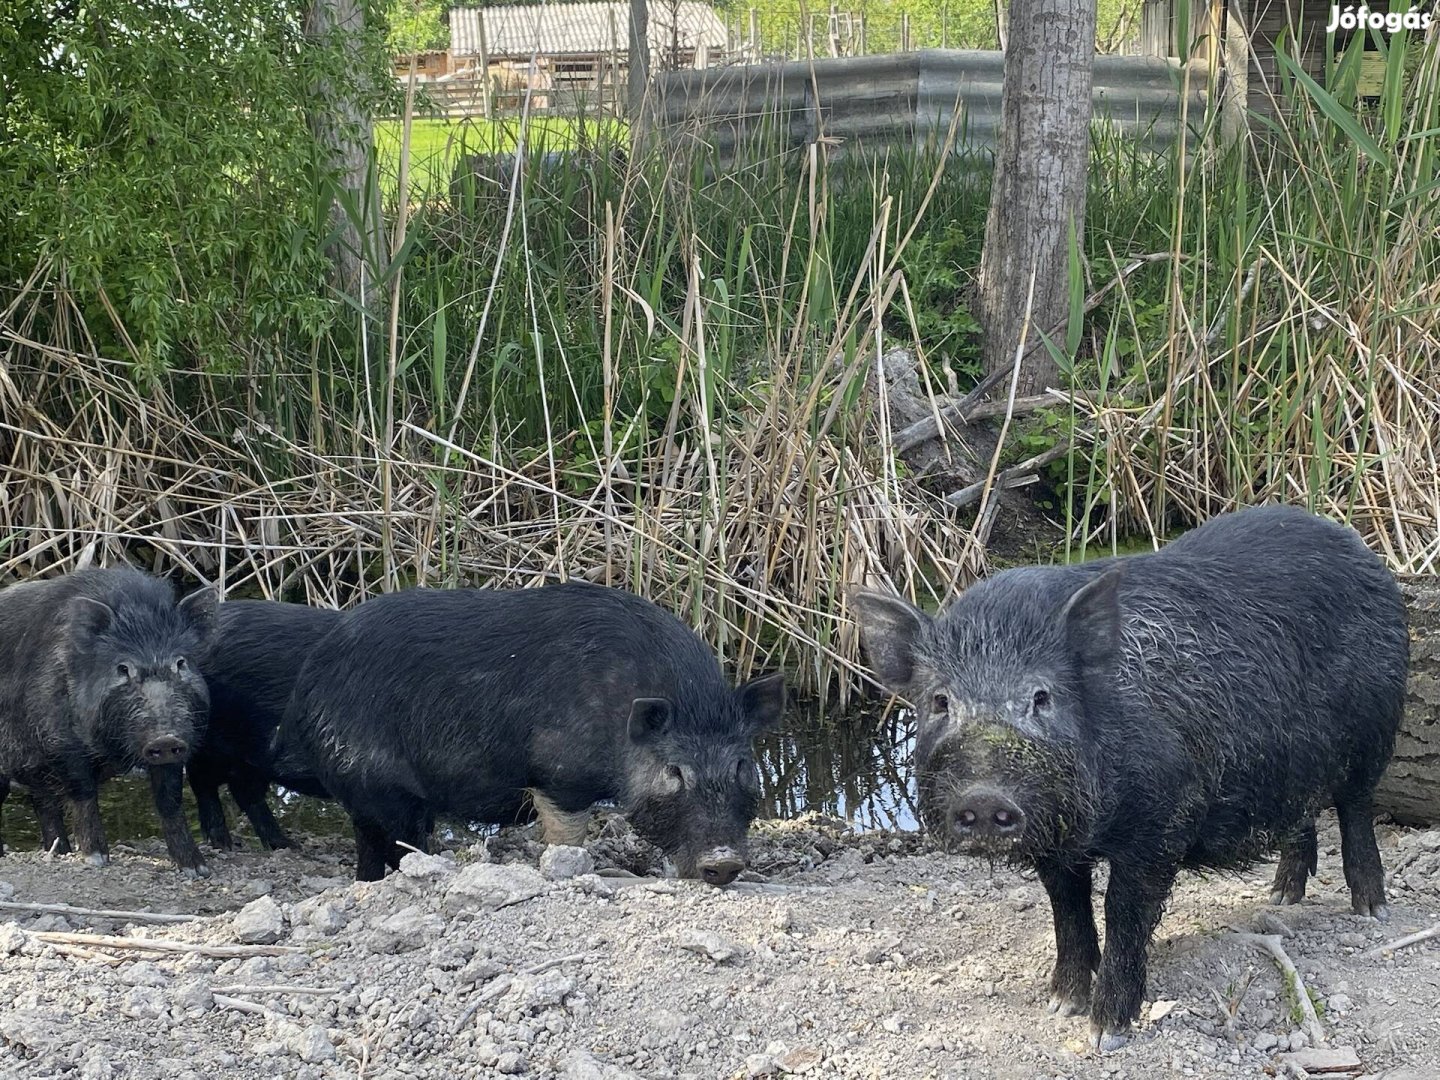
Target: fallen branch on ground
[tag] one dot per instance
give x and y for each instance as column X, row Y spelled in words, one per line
column 1272, row 944
column 98, row 913
column 1010, row 477
column 88, row 954
column 1404, row 942
column 105, row 941
column 307, row 991
column 240, row 1005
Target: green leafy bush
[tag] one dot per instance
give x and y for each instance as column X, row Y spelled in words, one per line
column 158, row 156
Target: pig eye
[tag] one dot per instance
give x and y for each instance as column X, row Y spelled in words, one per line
column 125, row 671
column 181, row 664
column 940, row 703
column 1042, row 699
column 675, row 777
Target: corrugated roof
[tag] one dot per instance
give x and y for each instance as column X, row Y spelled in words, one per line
column 560, row 29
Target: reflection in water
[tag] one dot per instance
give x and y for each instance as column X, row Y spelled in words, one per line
column 854, row 765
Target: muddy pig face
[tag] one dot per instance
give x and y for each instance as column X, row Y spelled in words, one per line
column 1000, row 682
column 134, row 677
column 694, row 789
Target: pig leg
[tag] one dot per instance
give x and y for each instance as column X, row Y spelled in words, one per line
column 389, row 817
column 89, row 832
column 49, row 807
column 1298, row 861
column 1361, row 856
column 249, row 789
column 205, row 778
column 1134, row 902
column 559, row 826
column 4, row 794
column 411, row 834
column 372, row 845
column 1077, row 947
column 167, row 785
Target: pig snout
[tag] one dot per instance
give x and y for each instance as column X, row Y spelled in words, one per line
column 720, row 866
column 166, row 750
column 984, row 814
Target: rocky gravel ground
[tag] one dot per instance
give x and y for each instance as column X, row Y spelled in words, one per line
column 856, row 955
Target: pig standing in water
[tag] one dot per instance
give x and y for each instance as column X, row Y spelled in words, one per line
column 97, row 676
column 1195, row 707
column 475, row 702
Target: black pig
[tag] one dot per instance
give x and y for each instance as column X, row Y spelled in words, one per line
column 466, row 701
column 1194, row 707
column 250, row 668
column 97, row 676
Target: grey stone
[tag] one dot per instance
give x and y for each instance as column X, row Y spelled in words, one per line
column 561, row 862
column 96, row 1066
column 480, row 969
column 30, row 1029
column 193, row 997
column 143, row 973
column 145, row 1003
column 543, row 991
column 326, row 916
column 511, row 1064
column 12, row 939
column 582, row 1065
column 260, row 922
column 423, row 867
column 409, row 928
column 313, row 1045
column 492, row 886
column 709, row 944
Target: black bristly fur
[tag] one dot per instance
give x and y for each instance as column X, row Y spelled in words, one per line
column 258, row 649
column 470, row 702
column 71, row 716
column 1200, row 706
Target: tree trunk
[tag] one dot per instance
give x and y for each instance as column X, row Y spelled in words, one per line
column 1039, row 186
column 344, row 132
column 1410, row 789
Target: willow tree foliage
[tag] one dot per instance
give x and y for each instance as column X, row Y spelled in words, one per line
column 158, row 162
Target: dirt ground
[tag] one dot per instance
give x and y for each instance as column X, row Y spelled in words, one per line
column 858, row 955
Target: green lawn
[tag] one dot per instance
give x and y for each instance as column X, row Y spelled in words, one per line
column 436, row 144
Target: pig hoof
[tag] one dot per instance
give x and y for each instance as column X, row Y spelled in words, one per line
column 193, row 872
column 97, row 859
column 1379, row 912
column 1285, row 897
column 1107, row 1042
column 1065, row 1005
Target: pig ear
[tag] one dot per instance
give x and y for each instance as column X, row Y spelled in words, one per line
column 889, row 629
column 649, row 717
column 90, row 618
column 762, row 701
column 1091, row 619
column 200, row 609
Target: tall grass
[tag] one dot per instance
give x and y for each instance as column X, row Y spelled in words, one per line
column 634, row 367
column 1301, row 359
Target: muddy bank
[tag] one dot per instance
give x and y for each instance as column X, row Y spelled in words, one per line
column 858, row 955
